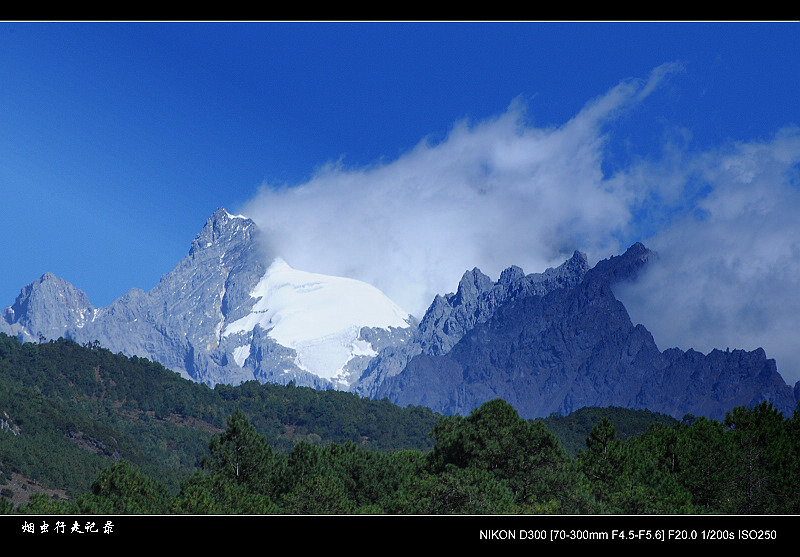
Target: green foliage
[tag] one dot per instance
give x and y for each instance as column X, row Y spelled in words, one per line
column 455, row 490
column 317, row 494
column 80, row 408
column 522, row 454
column 764, row 463
column 602, row 459
column 647, row 482
column 127, row 436
column 704, row 468
column 215, row 494
column 241, row 454
column 40, row 503
column 123, row 489
column 239, row 474
column 573, row 429
column 746, row 465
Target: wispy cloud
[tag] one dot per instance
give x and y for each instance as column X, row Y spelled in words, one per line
column 728, row 274
column 503, row 191
column 491, row 194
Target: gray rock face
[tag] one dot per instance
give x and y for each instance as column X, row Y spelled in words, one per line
column 451, row 316
column 547, row 342
column 477, row 298
column 180, row 322
column 48, row 307
column 575, row 346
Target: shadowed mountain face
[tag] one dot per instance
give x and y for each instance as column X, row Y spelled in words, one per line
column 575, row 346
column 545, row 342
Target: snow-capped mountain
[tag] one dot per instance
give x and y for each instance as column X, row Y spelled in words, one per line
column 545, row 342
column 320, row 317
column 225, row 315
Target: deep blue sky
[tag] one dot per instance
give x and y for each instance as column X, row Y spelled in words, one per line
column 118, row 140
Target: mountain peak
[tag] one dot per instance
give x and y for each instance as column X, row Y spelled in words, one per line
column 222, row 213
column 48, row 306
column 620, row 268
column 637, row 250
column 472, row 284
column 48, row 277
column 511, row 274
column 579, row 256
column 222, row 227
column 221, row 218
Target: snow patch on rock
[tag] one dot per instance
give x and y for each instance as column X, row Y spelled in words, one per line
column 318, row 316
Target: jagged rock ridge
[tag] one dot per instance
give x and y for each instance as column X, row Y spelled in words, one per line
column 576, row 346
column 182, row 321
column 545, row 342
column 450, row 316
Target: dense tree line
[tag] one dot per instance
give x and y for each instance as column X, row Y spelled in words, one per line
column 76, row 408
column 747, row 464
column 573, row 428
column 491, row 461
column 113, row 426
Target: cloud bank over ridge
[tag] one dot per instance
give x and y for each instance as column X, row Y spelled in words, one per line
column 503, row 192
column 729, row 269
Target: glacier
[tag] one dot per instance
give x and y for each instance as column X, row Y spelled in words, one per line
column 318, row 316
column 545, row 342
column 227, row 313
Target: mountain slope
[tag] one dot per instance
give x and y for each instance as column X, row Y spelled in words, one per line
column 223, row 315
column 48, row 307
column 451, row 316
column 67, row 411
column 320, row 317
column 575, row 347
column 545, row 342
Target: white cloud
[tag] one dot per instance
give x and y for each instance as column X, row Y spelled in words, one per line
column 728, row 273
column 502, row 192
column 491, row 194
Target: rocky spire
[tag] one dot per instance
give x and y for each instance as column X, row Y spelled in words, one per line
column 49, row 306
column 222, row 229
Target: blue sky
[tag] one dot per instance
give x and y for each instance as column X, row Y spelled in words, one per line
column 406, row 153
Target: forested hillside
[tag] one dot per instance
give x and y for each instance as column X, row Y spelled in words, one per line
column 490, row 462
column 67, row 411
column 573, row 429
column 126, row 436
